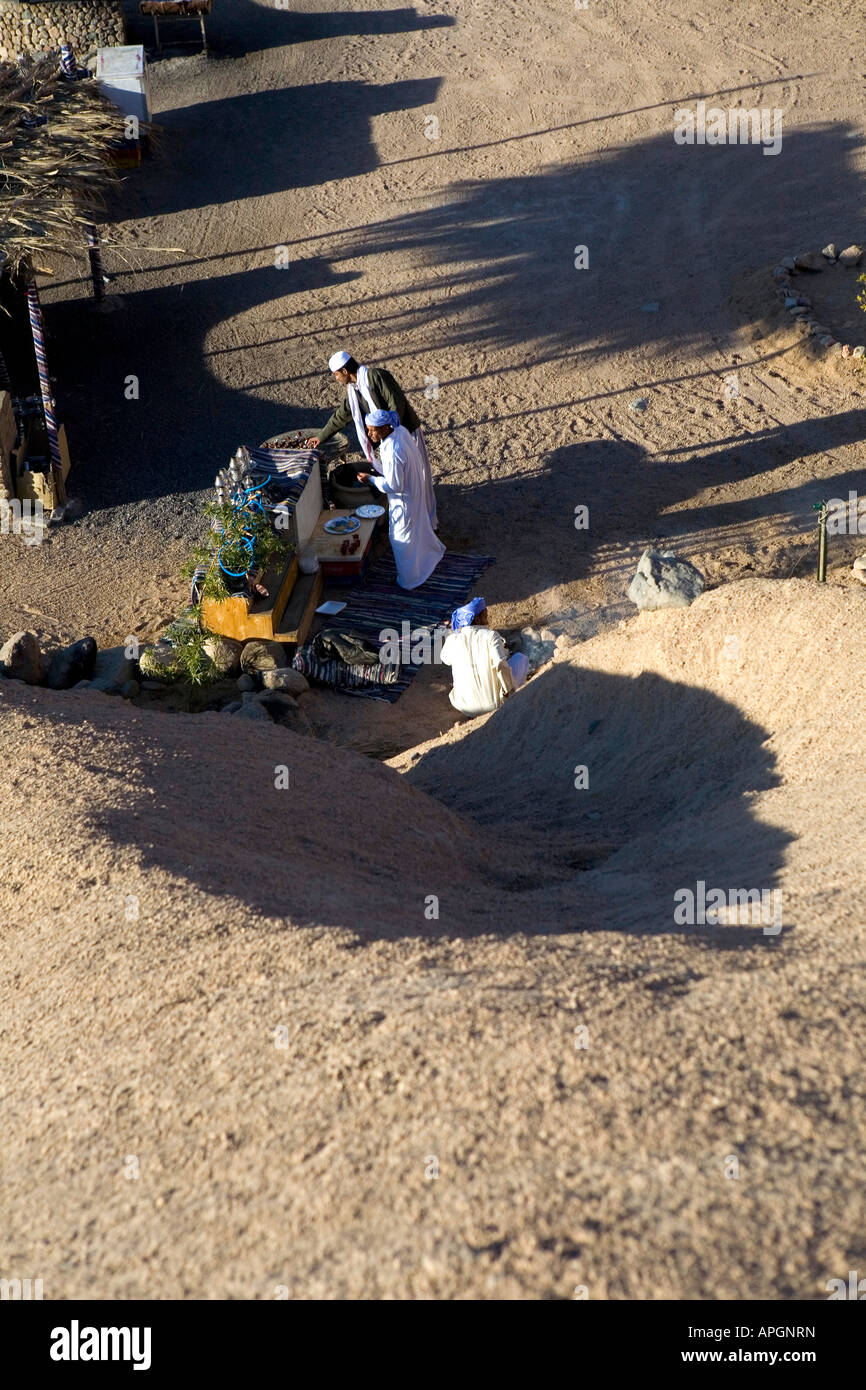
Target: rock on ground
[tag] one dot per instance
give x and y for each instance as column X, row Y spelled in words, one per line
column 665, row 581
column 21, row 658
column 260, row 655
column 72, row 664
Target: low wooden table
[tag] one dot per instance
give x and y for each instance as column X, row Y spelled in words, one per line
column 334, row 566
column 177, row 9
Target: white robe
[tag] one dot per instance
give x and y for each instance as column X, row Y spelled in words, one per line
column 360, row 404
column 417, row 548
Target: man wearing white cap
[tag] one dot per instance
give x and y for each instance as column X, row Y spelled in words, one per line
column 417, row 548
column 373, row 388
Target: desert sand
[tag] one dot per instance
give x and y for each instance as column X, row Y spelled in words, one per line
column 243, row 1055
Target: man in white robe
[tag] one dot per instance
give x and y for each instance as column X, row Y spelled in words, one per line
column 417, row 548
column 373, row 388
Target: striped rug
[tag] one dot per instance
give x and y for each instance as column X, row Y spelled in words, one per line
column 380, row 603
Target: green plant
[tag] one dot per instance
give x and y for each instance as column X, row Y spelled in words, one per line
column 191, row 660
column 861, row 295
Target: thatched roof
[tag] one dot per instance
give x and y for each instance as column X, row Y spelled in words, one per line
column 52, row 175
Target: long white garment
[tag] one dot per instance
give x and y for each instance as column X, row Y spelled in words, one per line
column 359, row 409
column 418, row 436
column 417, row 548
column 478, row 659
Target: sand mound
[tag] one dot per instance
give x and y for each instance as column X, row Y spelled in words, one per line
column 239, row 1055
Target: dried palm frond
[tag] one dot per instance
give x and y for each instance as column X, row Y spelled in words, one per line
column 54, row 173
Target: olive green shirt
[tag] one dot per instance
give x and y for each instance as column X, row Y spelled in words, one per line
column 386, row 395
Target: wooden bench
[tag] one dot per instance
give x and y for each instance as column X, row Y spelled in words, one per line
column 177, row 9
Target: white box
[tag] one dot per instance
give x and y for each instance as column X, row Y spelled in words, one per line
column 123, row 77
column 309, row 506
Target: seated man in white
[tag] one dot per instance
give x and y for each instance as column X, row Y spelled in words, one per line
column 482, row 671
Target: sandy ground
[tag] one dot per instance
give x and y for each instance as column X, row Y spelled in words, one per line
column 233, row 1070
column 410, row 1038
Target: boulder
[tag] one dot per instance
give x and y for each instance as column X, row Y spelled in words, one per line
column 112, row 669
column 810, row 260
column 251, row 709
column 69, row 665
column 538, row 644
column 859, row 351
column 283, row 710
column 829, row 252
column 285, row 678
column 225, row 653
column 130, row 689
column 261, row 655
column 664, row 581
column 245, row 683
column 157, row 664
column 21, row 659
column 787, row 263
column 852, row 255
column 858, row 568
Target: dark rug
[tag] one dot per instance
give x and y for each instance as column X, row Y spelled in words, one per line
column 380, row 603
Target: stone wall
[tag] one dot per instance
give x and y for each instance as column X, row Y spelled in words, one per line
column 31, row 26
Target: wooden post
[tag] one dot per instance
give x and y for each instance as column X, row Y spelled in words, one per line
column 37, row 329
column 94, row 252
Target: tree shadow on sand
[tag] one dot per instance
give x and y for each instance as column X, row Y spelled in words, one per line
column 529, row 518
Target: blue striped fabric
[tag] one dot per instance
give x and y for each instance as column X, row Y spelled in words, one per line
column 380, row 603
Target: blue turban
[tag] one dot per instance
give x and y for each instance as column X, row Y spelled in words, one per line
column 465, row 616
column 382, row 417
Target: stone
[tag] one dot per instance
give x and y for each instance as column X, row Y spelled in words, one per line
column 69, row 665
column 538, row 644
column 113, row 668
column 283, row 710
column 225, row 653
column 788, row 263
column 809, row 260
column 261, row 655
column 130, row 689
column 791, row 301
column 852, row 255
column 829, row 253
column 858, row 568
column 157, row 663
column 827, row 340
column 21, row 659
column 246, row 683
column 780, row 273
column 859, row 351
column 847, row 350
column 285, row 678
column 640, row 403
column 251, row 709
column 663, row 580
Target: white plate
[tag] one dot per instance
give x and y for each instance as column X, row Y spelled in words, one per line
column 369, row 510
column 342, row 525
